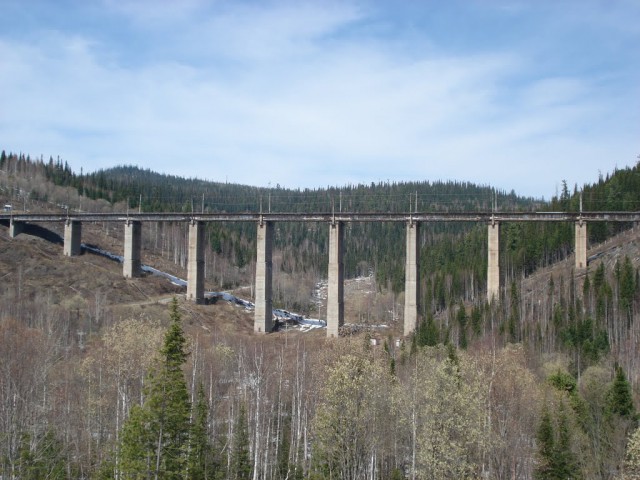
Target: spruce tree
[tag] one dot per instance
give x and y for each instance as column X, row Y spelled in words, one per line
column 461, row 317
column 200, row 464
column 240, row 460
column 556, row 460
column 42, row 458
column 514, row 314
column 427, row 334
column 285, row 449
column 565, row 464
column 156, row 434
column 620, row 396
column 545, row 440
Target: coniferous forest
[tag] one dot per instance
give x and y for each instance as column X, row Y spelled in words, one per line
column 544, row 383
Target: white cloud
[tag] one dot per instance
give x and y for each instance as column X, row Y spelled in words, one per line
column 292, row 94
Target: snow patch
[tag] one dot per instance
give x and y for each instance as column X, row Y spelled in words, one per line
column 283, row 316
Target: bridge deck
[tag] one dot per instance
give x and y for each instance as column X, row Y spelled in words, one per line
column 328, row 217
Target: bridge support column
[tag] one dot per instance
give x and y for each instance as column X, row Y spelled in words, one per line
column 581, row 246
column 335, row 288
column 15, row 228
column 263, row 321
column 493, row 264
column 72, row 238
column 412, row 279
column 195, row 263
column 132, row 248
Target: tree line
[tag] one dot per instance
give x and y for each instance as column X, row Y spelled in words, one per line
column 147, row 399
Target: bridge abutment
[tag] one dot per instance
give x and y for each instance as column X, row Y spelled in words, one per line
column 335, row 287
column 493, row 264
column 581, row 246
column 412, row 279
column 132, row 247
column 263, row 320
column 72, row 238
column 195, row 262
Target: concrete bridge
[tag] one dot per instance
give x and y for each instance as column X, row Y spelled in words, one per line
column 335, row 306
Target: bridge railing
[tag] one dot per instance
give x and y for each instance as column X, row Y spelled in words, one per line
column 327, row 217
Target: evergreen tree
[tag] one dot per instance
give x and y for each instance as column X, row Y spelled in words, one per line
column 240, row 460
column 620, row 396
column 565, row 464
column 155, row 434
column 461, row 317
column 137, row 445
column 199, row 464
column 476, row 320
column 544, row 437
column 556, row 460
column 514, row 314
column 627, row 288
column 427, row 333
column 285, row 449
column 42, row 458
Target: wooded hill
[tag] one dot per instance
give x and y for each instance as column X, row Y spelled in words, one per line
column 540, row 384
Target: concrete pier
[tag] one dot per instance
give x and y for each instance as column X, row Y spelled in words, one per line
column 581, row 246
column 15, row 228
column 195, row 263
column 493, row 264
column 132, row 247
column 411, row 279
column 263, row 322
column 72, row 238
column 335, row 289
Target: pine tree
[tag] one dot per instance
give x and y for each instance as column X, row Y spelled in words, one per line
column 155, row 434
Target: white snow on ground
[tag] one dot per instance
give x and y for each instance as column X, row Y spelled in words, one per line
column 304, row 324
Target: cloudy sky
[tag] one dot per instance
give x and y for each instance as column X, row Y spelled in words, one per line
column 516, row 94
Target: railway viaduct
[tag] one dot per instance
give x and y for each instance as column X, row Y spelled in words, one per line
column 265, row 221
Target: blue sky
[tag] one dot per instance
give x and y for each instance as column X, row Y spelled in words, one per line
column 516, row 94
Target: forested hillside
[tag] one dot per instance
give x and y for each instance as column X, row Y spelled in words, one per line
column 543, row 383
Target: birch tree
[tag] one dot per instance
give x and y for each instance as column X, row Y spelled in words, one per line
column 450, row 416
column 353, row 406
